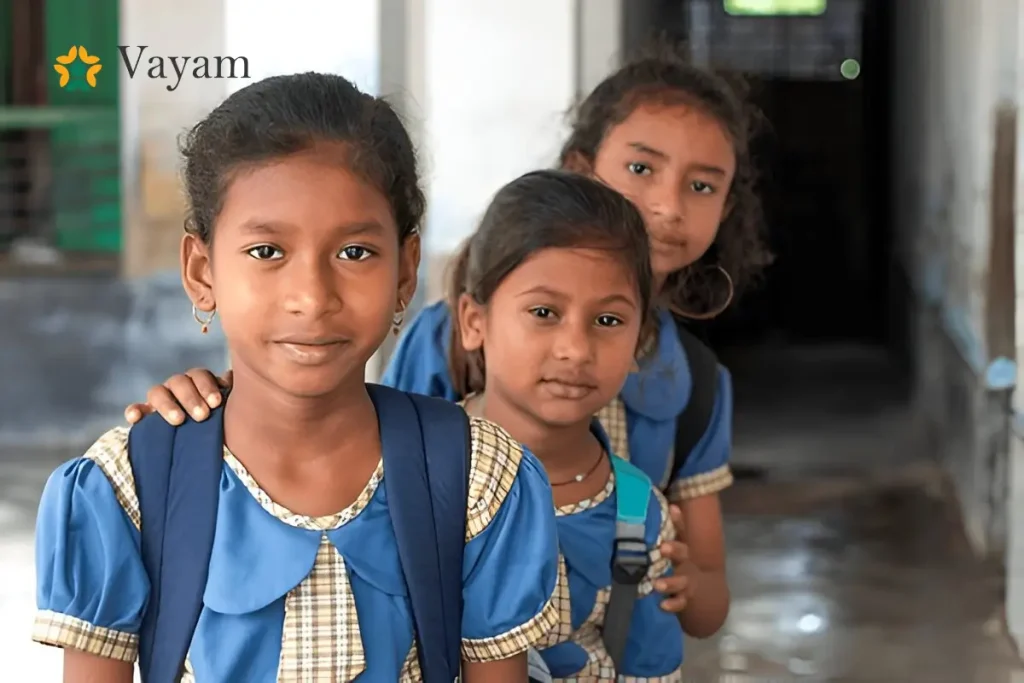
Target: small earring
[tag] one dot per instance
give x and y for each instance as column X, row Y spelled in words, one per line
column 204, row 325
column 398, row 318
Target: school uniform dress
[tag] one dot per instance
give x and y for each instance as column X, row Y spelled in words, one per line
column 574, row 651
column 641, row 422
column 291, row 598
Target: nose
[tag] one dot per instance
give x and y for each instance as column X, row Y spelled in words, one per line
column 573, row 342
column 665, row 202
column 312, row 289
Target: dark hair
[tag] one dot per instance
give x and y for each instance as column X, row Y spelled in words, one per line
column 660, row 75
column 284, row 115
column 542, row 210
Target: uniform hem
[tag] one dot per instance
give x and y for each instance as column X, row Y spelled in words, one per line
column 699, row 485
column 514, row 642
column 60, row 630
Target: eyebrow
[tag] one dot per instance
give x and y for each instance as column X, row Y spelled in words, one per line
column 611, row 298
column 277, row 227
column 647, row 149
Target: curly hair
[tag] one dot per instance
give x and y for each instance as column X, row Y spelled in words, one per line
column 660, row 74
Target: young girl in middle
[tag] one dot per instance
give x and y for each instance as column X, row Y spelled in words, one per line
column 551, row 300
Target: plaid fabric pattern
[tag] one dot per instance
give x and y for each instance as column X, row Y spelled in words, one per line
column 410, row 672
column 321, row 641
column 587, row 503
column 562, row 631
column 613, row 419
column 60, row 630
column 704, row 484
column 494, row 464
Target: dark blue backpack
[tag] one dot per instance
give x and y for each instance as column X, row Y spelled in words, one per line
column 425, row 443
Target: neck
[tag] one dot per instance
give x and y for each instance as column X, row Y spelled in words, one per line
column 561, row 448
column 263, row 422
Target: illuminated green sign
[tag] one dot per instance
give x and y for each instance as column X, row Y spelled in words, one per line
column 767, row 8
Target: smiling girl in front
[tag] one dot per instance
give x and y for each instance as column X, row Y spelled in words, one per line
column 550, row 299
column 303, row 240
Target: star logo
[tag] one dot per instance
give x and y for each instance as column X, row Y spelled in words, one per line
column 78, row 69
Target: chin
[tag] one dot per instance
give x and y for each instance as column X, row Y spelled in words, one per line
column 316, row 384
column 565, row 413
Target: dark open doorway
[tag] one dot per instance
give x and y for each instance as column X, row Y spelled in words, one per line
column 817, row 343
column 823, row 85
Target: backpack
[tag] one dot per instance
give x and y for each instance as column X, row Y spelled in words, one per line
column 693, row 422
column 630, row 556
column 177, row 474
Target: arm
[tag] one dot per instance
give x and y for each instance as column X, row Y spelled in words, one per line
column 708, row 591
column 82, row 667
column 511, row 559
column 91, row 586
column 698, row 521
column 511, row 670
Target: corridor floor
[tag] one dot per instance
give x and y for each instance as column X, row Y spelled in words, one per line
column 846, row 561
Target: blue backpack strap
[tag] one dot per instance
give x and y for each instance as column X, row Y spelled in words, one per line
column 426, row 449
column 177, row 474
column 630, row 558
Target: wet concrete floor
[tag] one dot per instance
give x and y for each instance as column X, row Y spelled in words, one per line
column 847, row 559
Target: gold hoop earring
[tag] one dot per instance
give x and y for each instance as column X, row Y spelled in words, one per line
column 204, row 325
column 714, row 313
column 398, row 318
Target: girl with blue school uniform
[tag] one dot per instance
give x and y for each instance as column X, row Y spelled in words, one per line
column 550, row 299
column 310, row 187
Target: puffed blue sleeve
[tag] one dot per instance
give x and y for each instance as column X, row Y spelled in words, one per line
column 510, row 567
column 654, row 647
column 91, row 586
column 419, row 363
column 706, row 471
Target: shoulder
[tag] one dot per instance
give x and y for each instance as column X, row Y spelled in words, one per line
column 107, row 459
column 495, row 462
column 501, row 469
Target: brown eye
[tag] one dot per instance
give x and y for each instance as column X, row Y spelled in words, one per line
column 265, row 252
column 355, row 253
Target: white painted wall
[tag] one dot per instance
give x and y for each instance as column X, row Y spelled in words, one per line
column 500, row 76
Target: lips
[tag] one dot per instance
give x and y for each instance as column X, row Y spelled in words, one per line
column 571, row 389
column 310, row 350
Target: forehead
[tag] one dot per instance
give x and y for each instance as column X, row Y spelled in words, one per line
column 582, row 274
column 680, row 131
column 313, row 190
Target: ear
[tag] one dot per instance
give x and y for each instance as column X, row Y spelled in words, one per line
column 197, row 273
column 577, row 163
column 408, row 268
column 472, row 323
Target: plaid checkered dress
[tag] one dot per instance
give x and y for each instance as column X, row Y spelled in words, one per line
column 341, row 611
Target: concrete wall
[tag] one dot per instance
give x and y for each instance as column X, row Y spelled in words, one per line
column 956, row 77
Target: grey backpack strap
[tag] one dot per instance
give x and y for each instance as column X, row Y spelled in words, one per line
column 630, row 558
